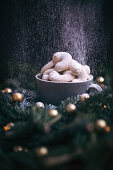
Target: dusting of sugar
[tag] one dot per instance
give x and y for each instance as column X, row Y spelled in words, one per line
column 41, row 28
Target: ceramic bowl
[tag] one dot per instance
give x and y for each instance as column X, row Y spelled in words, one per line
column 52, row 92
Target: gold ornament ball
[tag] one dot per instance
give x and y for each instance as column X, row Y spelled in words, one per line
column 17, row 97
column 107, row 129
column 84, row 96
column 18, row 148
column 100, row 79
column 42, row 151
column 53, row 112
column 101, row 124
column 7, row 90
column 6, row 128
column 70, row 108
column 39, row 105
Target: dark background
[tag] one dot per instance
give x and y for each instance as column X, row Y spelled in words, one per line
column 32, row 30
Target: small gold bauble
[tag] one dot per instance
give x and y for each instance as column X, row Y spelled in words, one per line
column 7, row 90
column 100, row 79
column 53, row 112
column 17, row 97
column 107, row 129
column 101, row 124
column 104, row 106
column 84, row 96
column 39, row 105
column 70, row 108
column 42, row 151
column 6, row 128
column 18, row 148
